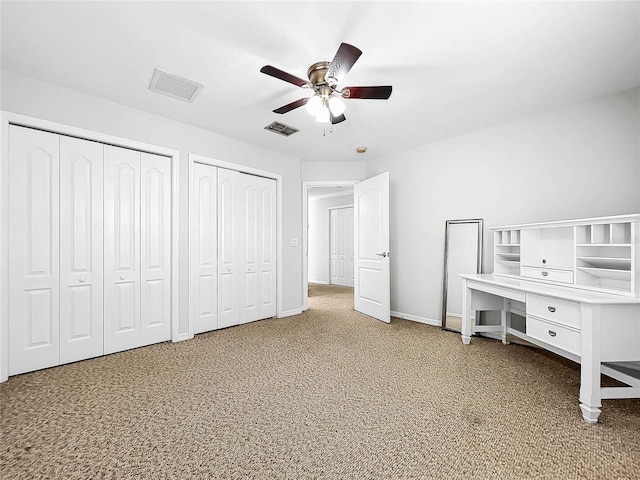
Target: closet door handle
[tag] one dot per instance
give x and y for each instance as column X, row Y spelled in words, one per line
column 82, row 280
column 544, row 274
column 121, row 277
column 552, row 333
column 551, row 309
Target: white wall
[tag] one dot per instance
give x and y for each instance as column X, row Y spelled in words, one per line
column 579, row 161
column 35, row 98
column 319, row 236
column 347, row 170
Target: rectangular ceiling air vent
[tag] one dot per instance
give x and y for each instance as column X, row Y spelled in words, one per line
column 174, row 85
column 281, row 129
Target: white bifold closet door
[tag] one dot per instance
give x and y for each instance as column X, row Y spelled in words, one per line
column 81, row 233
column 246, row 248
column 55, row 250
column 203, row 278
column 233, row 251
column 341, row 233
column 137, row 255
column 34, row 252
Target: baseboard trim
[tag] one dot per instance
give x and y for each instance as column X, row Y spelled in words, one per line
column 321, row 282
column 291, row 313
column 181, row 338
column 416, row 318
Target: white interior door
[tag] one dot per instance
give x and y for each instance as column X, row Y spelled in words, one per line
column 155, row 248
column 34, row 293
column 81, row 221
column 203, row 291
column 121, row 249
column 371, row 247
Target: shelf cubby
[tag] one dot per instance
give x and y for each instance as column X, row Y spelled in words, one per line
column 621, row 233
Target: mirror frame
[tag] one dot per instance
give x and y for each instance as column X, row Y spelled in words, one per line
column 445, row 275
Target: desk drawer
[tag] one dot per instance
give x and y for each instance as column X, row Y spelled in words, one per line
column 558, row 311
column 567, row 339
column 550, row 274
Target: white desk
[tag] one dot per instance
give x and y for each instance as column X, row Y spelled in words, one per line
column 587, row 327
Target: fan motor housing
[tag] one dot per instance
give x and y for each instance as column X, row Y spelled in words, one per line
column 317, row 72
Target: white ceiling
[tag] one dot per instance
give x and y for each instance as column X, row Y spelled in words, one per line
column 455, row 66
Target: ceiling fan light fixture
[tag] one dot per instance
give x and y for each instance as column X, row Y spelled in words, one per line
column 314, row 105
column 323, row 116
column 336, row 105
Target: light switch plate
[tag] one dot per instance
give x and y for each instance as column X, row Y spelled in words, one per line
column 294, row 242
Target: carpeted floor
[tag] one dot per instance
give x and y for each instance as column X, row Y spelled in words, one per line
column 327, row 394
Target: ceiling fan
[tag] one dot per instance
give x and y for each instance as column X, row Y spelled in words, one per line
column 326, row 103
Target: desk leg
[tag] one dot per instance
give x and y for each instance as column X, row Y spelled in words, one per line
column 590, row 396
column 466, row 312
column 506, row 320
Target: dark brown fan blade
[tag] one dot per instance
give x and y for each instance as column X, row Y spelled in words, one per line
column 291, row 106
column 380, row 93
column 345, row 57
column 338, row 119
column 287, row 77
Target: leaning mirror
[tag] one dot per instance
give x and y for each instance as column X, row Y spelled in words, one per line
column 462, row 254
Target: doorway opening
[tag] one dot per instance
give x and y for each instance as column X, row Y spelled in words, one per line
column 319, row 199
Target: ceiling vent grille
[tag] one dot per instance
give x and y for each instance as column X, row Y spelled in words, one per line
column 174, row 85
column 281, row 128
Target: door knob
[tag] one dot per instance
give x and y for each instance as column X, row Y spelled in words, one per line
column 383, row 254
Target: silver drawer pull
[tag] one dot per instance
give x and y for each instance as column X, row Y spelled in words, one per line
column 544, row 274
column 552, row 333
column 552, row 309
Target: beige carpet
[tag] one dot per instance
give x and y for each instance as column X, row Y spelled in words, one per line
column 328, row 394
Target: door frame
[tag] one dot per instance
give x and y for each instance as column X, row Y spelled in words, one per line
column 10, row 118
column 194, row 158
column 305, row 229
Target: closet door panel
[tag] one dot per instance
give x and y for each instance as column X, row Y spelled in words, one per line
column 333, row 245
column 349, row 245
column 342, row 268
column 155, row 248
column 204, row 249
column 33, row 250
column 267, row 250
column 81, row 233
column 250, row 267
column 121, row 249
column 230, row 247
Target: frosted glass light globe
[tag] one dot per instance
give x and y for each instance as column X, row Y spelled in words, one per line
column 314, row 105
column 337, row 106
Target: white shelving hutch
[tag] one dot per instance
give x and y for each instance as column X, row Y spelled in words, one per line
column 598, row 254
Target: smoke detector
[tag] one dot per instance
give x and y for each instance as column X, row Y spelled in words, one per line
column 174, row 85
